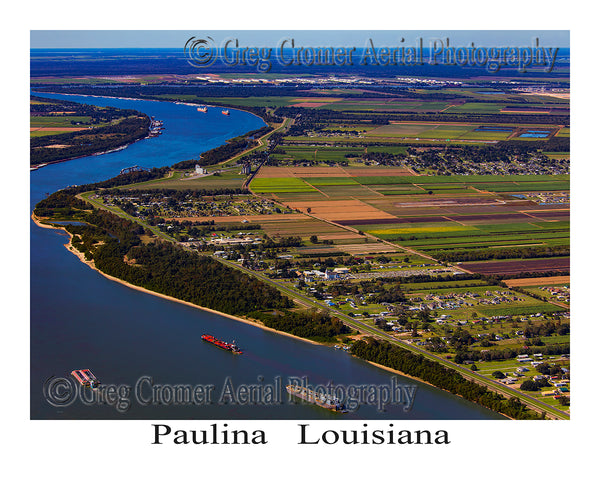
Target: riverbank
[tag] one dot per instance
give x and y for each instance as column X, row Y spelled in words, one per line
column 417, row 379
column 37, row 166
column 255, row 323
column 90, row 263
column 175, row 102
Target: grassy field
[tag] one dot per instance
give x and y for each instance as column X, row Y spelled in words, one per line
column 321, row 154
column 280, row 185
column 179, row 182
column 57, row 121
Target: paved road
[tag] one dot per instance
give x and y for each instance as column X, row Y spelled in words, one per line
column 532, row 402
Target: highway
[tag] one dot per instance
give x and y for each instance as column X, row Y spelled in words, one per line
column 551, row 412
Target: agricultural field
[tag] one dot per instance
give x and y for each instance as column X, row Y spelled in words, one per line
column 444, row 131
column 439, row 214
column 473, row 220
column 320, row 154
column 334, row 234
column 280, row 185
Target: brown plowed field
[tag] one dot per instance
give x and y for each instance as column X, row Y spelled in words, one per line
column 341, row 210
column 378, row 172
column 500, row 217
column 549, row 213
column 365, row 248
column 512, row 267
column 56, row 129
column 375, row 221
column 528, row 282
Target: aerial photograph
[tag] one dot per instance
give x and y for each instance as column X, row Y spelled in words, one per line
column 369, row 229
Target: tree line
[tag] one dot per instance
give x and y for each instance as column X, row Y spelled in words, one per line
column 384, row 353
column 492, row 355
column 115, row 246
column 88, row 141
column 479, row 254
column 312, row 324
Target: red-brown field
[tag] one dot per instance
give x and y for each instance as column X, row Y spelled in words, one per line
column 366, row 248
column 56, row 129
column 340, row 210
column 551, row 214
column 377, row 172
column 512, row 267
column 374, row 221
column 528, row 282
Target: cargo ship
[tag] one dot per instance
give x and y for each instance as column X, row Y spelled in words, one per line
column 86, row 378
column 322, row 400
column 225, row 112
column 231, row 347
column 202, row 109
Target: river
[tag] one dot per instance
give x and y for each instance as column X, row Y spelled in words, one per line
column 80, row 319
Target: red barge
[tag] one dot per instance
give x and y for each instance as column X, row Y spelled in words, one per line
column 231, row 347
column 86, row 378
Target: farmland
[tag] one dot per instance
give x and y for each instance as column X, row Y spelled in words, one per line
column 442, row 221
column 464, row 218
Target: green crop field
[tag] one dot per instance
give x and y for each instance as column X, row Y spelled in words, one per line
column 523, row 186
column 394, row 150
column 469, row 107
column 58, row 121
column 280, row 185
column 391, row 180
column 318, row 154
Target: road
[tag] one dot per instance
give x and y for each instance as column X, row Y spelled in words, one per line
column 551, row 412
column 363, row 327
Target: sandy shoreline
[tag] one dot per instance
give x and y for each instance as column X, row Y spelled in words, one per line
column 90, row 264
column 398, row 372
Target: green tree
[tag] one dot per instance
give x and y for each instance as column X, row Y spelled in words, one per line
column 529, row 386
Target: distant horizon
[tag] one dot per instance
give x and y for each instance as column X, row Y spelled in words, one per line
column 172, row 39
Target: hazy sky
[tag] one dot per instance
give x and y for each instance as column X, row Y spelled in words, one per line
column 356, row 38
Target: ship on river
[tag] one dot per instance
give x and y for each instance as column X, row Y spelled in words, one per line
column 231, row 347
column 323, row 400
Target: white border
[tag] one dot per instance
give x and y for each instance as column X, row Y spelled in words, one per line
column 101, row 448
